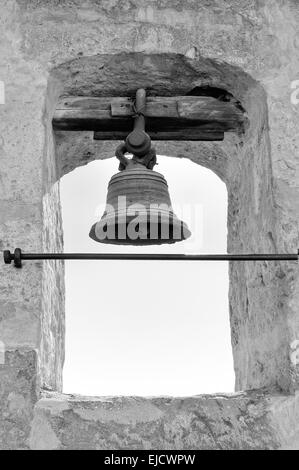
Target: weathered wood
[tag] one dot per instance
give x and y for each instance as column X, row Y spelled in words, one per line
column 82, row 119
column 85, row 102
column 180, row 115
column 208, row 109
column 184, row 134
column 155, row 107
column 204, row 108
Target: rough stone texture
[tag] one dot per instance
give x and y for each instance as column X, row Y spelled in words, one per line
column 249, row 48
column 223, row 422
column 18, row 393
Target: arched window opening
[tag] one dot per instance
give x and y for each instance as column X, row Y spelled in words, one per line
column 147, row 328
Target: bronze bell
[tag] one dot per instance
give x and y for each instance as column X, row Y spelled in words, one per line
column 138, row 207
column 138, row 211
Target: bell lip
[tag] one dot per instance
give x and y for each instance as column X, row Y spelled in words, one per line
column 175, row 222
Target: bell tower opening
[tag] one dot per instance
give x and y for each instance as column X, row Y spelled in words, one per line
column 147, row 328
column 239, row 156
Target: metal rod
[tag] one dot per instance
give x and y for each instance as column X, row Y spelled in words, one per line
column 138, row 141
column 139, row 122
column 159, row 257
column 18, row 256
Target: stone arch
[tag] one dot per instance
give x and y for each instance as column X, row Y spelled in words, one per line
column 242, row 162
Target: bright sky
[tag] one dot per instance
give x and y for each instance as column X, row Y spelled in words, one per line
column 152, row 327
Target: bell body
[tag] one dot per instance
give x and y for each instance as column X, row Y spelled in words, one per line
column 138, row 211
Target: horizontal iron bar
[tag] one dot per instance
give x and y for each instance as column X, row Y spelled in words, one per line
column 165, row 257
column 19, row 256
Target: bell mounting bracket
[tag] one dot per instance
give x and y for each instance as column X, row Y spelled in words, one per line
column 187, row 118
column 138, row 142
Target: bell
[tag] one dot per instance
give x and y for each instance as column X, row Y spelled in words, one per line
column 138, row 211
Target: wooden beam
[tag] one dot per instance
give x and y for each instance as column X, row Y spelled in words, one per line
column 203, row 108
column 168, row 118
column 183, row 134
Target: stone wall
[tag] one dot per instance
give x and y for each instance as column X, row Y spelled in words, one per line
column 53, row 48
column 207, row 422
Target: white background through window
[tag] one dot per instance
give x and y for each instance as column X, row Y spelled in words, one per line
column 147, row 328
